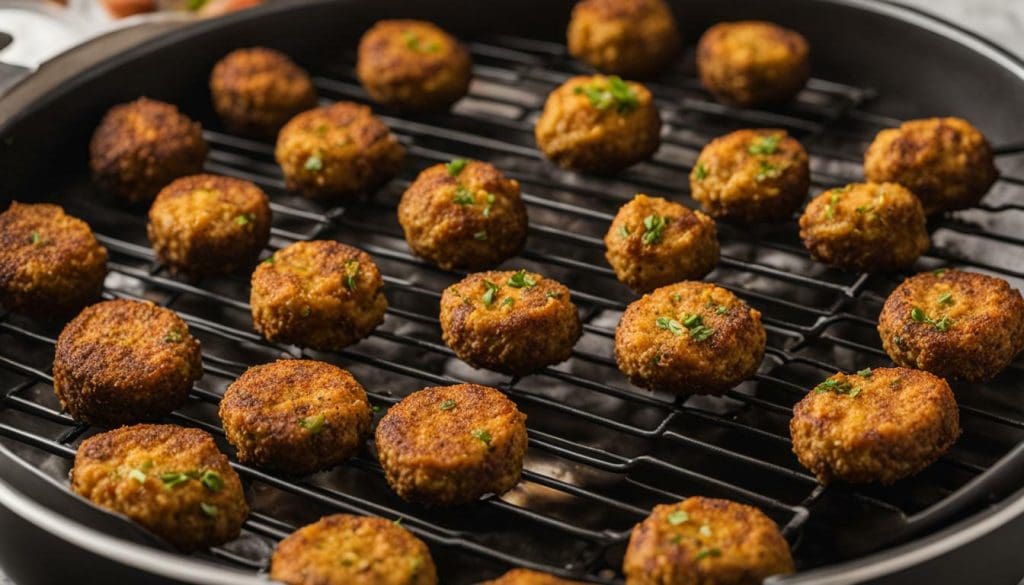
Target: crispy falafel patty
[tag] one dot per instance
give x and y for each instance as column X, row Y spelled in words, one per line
column 353, row 550
column 413, row 65
column 600, row 124
column 751, row 175
column 208, row 224
column 878, row 425
column 752, row 62
column 528, row 577
column 509, row 322
column 633, row 38
column 689, row 338
column 450, row 445
column 321, row 294
column 337, row 150
column 955, row 324
column 172, row 480
column 865, row 227
column 50, row 262
column 256, row 90
column 123, row 361
column 296, row 416
column 141, row 146
column 946, row 162
column 653, row 242
column 464, row 214
column 705, row 541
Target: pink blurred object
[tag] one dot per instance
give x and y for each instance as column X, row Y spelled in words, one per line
column 203, row 8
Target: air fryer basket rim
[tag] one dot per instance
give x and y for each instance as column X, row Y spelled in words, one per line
column 872, row 566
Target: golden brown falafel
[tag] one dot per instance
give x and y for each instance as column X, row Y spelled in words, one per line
column 320, row 294
column 689, row 338
column 450, row 445
column 597, row 123
column 172, row 480
column 256, row 90
column 141, row 146
column 751, row 175
column 881, row 424
column 866, row 227
column 296, row 416
column 50, row 262
column 353, row 550
column 413, row 65
column 337, row 150
column 752, row 62
column 946, row 162
column 464, row 214
column 705, row 541
column 208, row 224
column 653, row 242
column 123, row 361
column 955, row 324
column 510, row 322
column 528, row 577
column 632, row 38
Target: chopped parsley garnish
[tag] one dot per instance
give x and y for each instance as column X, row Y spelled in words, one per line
column 552, row 295
column 507, row 302
column 939, row 272
column 212, row 480
column 173, row 479
column 678, row 517
column 245, row 219
column 946, row 298
column 654, row 226
column 616, row 93
column 269, row 260
column 917, row 314
column 480, row 235
column 838, row 387
column 138, row 475
column 447, row 404
column 463, row 196
column 721, row 310
column 490, row 293
column 693, row 323
column 482, row 435
column 209, row 509
column 376, row 408
column 36, row 239
column 669, row 325
column 865, row 373
column 623, row 231
column 489, row 202
column 455, row 167
column 833, row 200
column 941, row 324
column 766, row 170
column 412, row 40
column 173, row 336
column 314, row 163
column 708, row 552
column 314, row 424
column 351, row 274
column 521, row 280
column 764, row 144
column 701, row 332
column 700, row 172
column 306, row 311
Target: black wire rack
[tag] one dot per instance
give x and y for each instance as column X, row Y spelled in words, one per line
column 601, row 452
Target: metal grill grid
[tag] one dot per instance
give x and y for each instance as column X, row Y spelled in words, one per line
column 601, row 451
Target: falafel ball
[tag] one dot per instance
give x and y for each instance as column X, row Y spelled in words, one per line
column 955, row 324
column 751, row 175
column 353, row 550
column 689, row 338
column 633, row 38
column 413, row 65
column 464, row 214
column 296, row 416
column 450, row 445
column 337, row 150
column 208, row 224
column 141, row 146
column 751, row 62
column 653, row 242
column 123, row 361
column 256, row 90
column 705, row 541
column 510, row 322
column 865, row 227
column 50, row 262
column 320, row 294
column 946, row 162
column 599, row 124
column 528, row 577
column 170, row 479
column 878, row 425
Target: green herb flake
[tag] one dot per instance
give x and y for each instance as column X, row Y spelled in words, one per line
column 375, row 408
column 917, row 314
column 865, row 373
column 455, row 166
column 352, row 274
column 173, row 479
column 521, row 280
column 488, row 204
column 943, row 324
column 616, row 93
column 306, row 311
column 833, row 200
column 721, row 310
column 314, row 424
column 946, row 298
column 269, row 260
column 480, row 236
column 669, row 324
column 700, row 172
column 701, row 332
column 195, row 5
column 693, row 321
column 212, row 480
column 463, row 196
column 490, row 292
column 245, row 219
column 507, row 302
column 138, row 475
column 766, row 170
column 678, row 517
column 624, row 231
column 764, row 145
column 209, row 509
column 708, row 552
column 654, row 227
column 552, row 295
column 173, row 336
column 447, row 404
column 314, row 163
column 939, row 272
column 482, row 435
column 36, row 239
column 836, row 386
column 676, row 538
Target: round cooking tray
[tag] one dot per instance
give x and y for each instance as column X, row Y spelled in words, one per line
column 883, row 61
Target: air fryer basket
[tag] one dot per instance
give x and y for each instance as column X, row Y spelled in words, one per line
column 602, row 452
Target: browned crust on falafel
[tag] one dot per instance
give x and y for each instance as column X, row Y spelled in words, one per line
column 50, row 262
column 474, row 219
column 752, row 62
column 633, row 38
column 450, row 445
column 123, row 361
column 971, row 326
column 528, row 577
column 708, row 541
column 296, row 416
column 132, row 471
